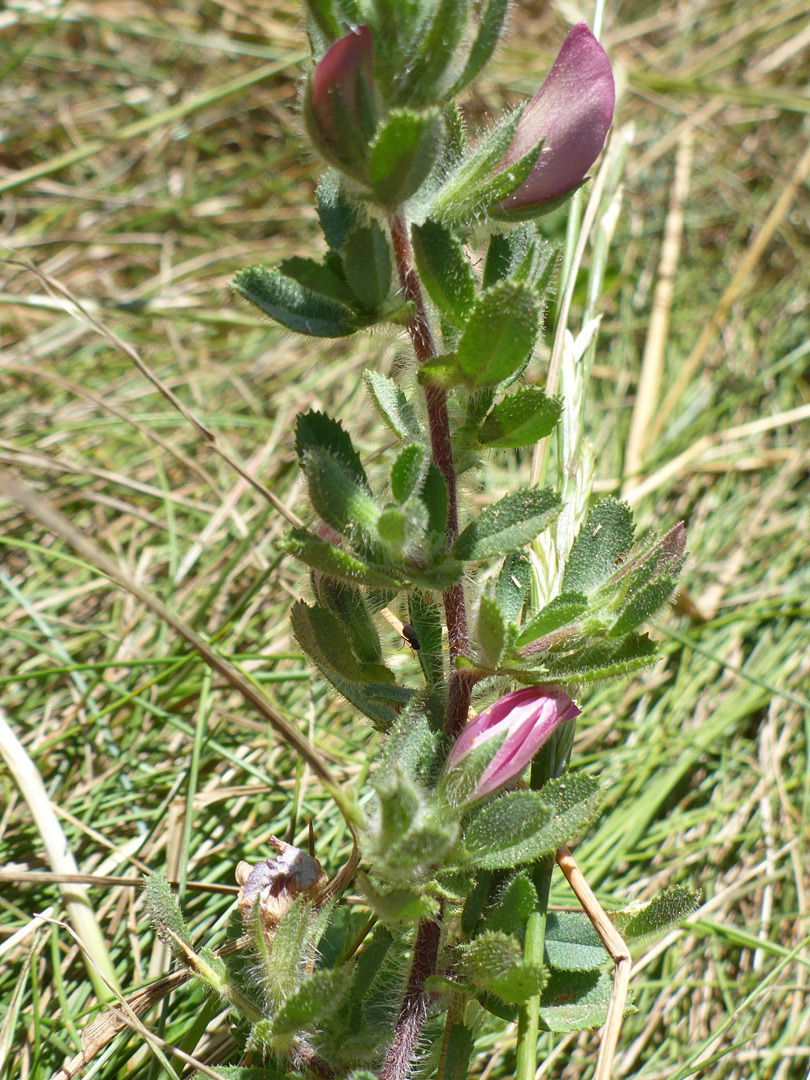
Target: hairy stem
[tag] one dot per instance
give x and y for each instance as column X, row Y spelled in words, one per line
column 412, row 1012
column 455, row 611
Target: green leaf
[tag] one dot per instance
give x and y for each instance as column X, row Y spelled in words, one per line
column 367, row 264
column 602, row 660
column 524, row 825
column 318, row 278
column 490, row 28
column 498, row 263
column 426, row 620
column 337, row 214
column 419, row 82
column 293, row 305
column 513, row 906
column 499, row 335
column 641, row 925
column 411, row 744
column 562, row 610
column 494, row 962
column 513, row 585
column 320, row 994
column 166, row 916
column 394, row 407
column 508, row 524
column 408, row 472
column 340, row 500
column 573, row 1000
column 520, row 419
column 606, row 537
column 403, row 153
column 322, row 639
column 317, row 430
column 572, row 944
column 491, row 632
column 641, row 606
column 334, row 562
column 444, row 269
column 434, row 496
column 350, row 607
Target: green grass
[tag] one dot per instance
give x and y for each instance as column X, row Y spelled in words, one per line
column 148, row 151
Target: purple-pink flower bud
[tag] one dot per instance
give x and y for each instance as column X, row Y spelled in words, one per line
column 571, row 113
column 527, row 717
column 337, row 82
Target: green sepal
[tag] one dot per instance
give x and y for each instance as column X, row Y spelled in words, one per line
column 494, row 962
column 573, row 1000
column 520, row 419
column 491, row 632
column 322, row 638
column 572, row 944
column 605, row 537
column 321, row 13
column 642, row 605
column 294, row 305
column 319, row 995
column 408, row 472
column 444, row 269
column 367, row 265
column 397, row 905
column 291, row 939
column 513, row 585
column 499, row 334
column 472, row 189
column 508, row 524
column 538, row 210
column 335, row 562
column 394, row 407
column 425, row 618
column 403, row 153
column 525, row 825
column 565, row 608
column 490, row 27
column 317, row 430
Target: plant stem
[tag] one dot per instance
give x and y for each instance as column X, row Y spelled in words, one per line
column 533, row 945
column 455, row 611
column 398, row 1060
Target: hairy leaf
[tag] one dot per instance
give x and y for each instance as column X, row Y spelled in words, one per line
column 508, row 524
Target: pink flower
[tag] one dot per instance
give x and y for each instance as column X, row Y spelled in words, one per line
column 571, row 113
column 527, row 717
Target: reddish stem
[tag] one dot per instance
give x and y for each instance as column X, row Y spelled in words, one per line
column 455, row 611
column 398, row 1060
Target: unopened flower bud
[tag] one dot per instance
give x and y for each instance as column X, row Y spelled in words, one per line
column 570, row 114
column 524, row 720
column 340, row 106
